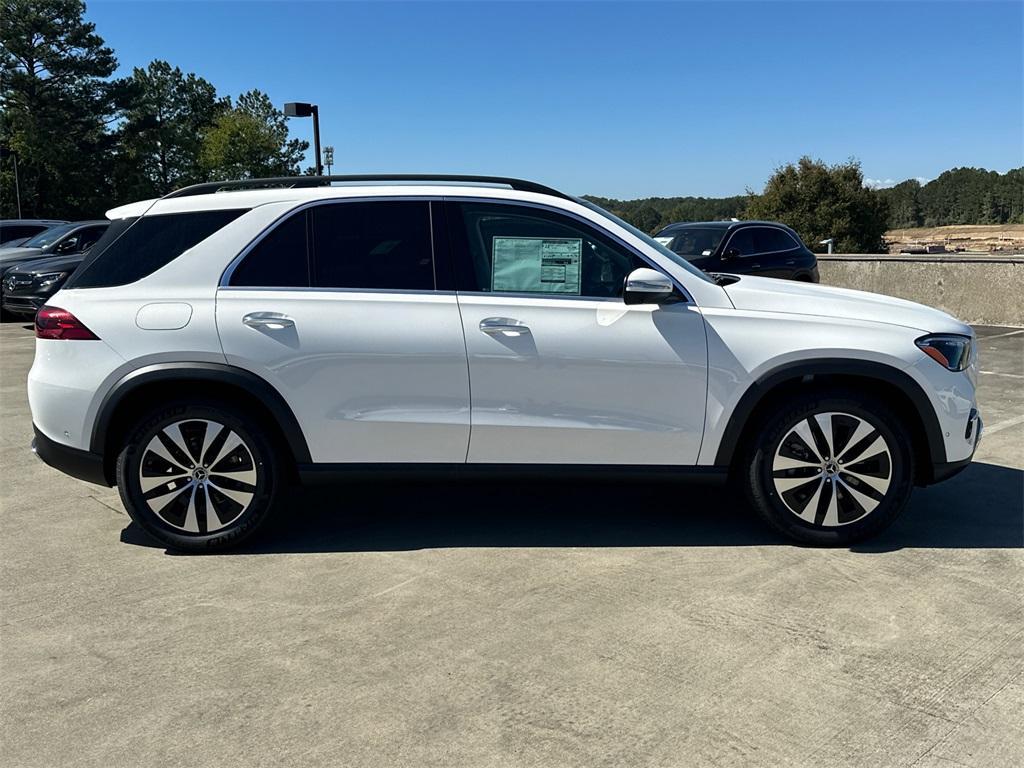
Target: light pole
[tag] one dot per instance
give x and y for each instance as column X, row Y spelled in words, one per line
column 328, row 158
column 828, row 243
column 302, row 109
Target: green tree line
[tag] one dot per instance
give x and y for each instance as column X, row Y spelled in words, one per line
column 803, row 193
column 81, row 141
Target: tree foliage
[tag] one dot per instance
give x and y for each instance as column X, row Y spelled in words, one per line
column 251, row 140
column 821, row 201
column 56, row 103
column 164, row 116
column 652, row 213
column 958, row 196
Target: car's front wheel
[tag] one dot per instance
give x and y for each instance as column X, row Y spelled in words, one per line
column 197, row 477
column 830, row 469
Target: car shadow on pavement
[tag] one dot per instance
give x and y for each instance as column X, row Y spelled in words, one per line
column 983, row 507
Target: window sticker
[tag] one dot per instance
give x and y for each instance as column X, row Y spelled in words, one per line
column 665, row 239
column 536, row 265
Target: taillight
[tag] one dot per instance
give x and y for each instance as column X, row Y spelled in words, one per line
column 57, row 323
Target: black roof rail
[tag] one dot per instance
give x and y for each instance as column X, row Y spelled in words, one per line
column 319, row 181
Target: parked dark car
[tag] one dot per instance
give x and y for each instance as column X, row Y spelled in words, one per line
column 26, row 287
column 761, row 248
column 65, row 242
column 16, row 231
column 61, row 240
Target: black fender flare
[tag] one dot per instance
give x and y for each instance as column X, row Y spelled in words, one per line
column 808, row 369
column 220, row 373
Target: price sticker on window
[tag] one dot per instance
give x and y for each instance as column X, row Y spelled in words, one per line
column 536, row 265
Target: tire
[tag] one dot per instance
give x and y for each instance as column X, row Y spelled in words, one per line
column 805, row 490
column 199, row 508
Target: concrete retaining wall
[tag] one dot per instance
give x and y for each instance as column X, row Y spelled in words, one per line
column 987, row 290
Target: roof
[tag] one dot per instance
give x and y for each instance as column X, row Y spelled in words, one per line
column 229, row 195
column 720, row 224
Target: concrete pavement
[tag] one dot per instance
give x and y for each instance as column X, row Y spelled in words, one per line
column 515, row 624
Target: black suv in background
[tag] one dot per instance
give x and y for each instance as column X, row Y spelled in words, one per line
column 761, row 248
column 31, row 273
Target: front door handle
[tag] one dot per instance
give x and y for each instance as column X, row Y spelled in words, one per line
column 506, row 326
column 272, row 321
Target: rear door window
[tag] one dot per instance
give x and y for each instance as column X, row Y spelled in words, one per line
column 132, row 249
column 383, row 245
column 769, row 240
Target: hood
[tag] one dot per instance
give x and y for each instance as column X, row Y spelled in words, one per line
column 10, row 256
column 51, row 264
column 764, row 294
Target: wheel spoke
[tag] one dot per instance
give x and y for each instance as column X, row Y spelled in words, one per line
column 150, row 483
column 157, row 447
column 866, row 502
column 810, row 510
column 231, row 442
column 803, row 430
column 828, row 511
column 241, row 497
column 788, row 462
column 191, row 522
column 863, row 430
column 880, row 484
column 824, row 424
column 784, row 484
column 173, row 432
column 164, row 500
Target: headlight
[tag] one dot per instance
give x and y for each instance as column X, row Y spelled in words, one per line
column 50, row 278
column 950, row 351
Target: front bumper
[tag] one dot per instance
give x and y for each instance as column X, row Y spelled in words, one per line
column 22, row 305
column 945, row 470
column 71, row 461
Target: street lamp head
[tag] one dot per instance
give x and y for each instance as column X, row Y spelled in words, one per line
column 298, row 109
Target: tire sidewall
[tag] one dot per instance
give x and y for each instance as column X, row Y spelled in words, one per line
column 770, row 504
column 129, row 487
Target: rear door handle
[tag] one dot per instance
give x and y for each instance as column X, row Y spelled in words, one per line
column 273, row 321
column 506, row 326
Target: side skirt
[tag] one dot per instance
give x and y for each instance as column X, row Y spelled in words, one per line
column 322, row 474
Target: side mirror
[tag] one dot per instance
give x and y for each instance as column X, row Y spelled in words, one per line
column 730, row 253
column 647, row 286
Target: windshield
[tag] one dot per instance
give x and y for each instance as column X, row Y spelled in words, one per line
column 659, row 247
column 49, row 236
column 693, row 241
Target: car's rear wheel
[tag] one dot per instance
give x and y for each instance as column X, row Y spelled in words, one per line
column 198, row 477
column 830, row 469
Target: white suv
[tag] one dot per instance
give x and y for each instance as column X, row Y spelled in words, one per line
column 225, row 342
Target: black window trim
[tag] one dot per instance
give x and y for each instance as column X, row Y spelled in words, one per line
column 796, row 243
column 684, row 295
column 229, row 270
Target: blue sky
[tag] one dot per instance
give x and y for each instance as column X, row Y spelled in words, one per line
column 621, row 99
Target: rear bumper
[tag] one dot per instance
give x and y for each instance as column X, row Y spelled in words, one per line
column 71, row 461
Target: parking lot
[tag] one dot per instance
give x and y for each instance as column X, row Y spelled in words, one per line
column 526, row 624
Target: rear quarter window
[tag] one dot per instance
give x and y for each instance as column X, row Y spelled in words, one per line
column 132, row 249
